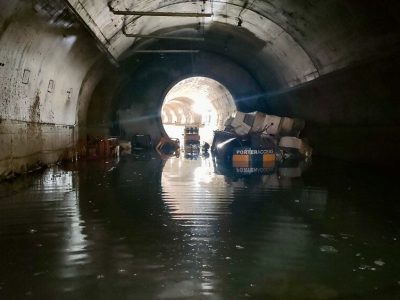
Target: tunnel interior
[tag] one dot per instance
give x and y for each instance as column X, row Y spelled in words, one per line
column 79, row 75
column 72, row 69
column 197, row 101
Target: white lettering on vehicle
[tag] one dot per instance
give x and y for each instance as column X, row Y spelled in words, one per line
column 254, row 151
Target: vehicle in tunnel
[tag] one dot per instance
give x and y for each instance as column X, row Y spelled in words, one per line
column 253, row 140
column 191, row 139
column 167, row 147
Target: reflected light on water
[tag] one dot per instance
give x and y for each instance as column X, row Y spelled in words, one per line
column 75, row 242
column 144, row 228
column 191, row 188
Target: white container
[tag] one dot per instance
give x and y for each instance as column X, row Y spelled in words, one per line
column 286, row 126
column 273, row 123
column 291, row 142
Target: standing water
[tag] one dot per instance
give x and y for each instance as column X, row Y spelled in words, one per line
column 143, row 228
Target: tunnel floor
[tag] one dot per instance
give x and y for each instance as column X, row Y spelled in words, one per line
column 143, row 228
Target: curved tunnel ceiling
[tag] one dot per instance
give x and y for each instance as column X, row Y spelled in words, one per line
column 232, row 25
column 264, row 40
column 298, row 41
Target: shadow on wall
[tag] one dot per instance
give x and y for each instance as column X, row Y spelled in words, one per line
column 351, row 114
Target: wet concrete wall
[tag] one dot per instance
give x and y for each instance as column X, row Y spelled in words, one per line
column 28, row 145
column 44, row 57
column 351, row 114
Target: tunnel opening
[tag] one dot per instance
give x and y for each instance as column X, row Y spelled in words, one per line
column 196, row 103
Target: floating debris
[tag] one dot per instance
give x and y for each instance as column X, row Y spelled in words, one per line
column 239, row 247
column 346, row 236
column 379, row 263
column 328, row 249
column 366, row 268
column 327, row 236
column 111, row 169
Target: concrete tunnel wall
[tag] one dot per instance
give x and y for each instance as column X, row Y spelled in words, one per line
column 44, row 59
column 352, row 114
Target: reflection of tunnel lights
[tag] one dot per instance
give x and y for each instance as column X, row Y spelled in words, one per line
column 221, row 145
column 69, row 41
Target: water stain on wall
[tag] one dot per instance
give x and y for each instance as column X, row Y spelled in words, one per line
column 34, row 110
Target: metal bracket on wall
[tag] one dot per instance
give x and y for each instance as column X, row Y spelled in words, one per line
column 69, row 94
column 166, row 51
column 25, row 76
column 157, row 13
column 50, row 87
column 163, row 37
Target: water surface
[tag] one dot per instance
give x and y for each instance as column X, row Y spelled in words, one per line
column 144, row 228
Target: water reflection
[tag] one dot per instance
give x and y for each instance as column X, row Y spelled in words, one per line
column 144, row 228
column 192, row 191
column 238, row 225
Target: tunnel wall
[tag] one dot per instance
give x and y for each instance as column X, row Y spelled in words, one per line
column 43, row 61
column 352, row 114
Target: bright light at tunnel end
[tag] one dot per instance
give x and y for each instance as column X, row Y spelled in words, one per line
column 197, row 101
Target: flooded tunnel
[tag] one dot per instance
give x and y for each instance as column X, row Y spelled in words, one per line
column 91, row 205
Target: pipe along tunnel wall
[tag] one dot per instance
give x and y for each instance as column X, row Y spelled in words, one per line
column 57, row 86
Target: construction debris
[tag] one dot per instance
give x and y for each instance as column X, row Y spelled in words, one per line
column 259, row 139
